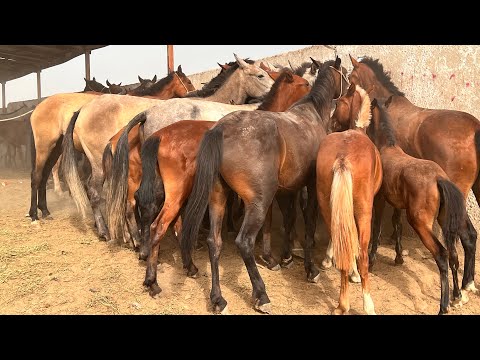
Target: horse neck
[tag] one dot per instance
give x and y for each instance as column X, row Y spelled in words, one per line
column 230, row 91
column 165, row 93
column 308, row 112
column 280, row 101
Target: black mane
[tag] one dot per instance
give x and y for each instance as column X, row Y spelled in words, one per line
column 382, row 75
column 386, row 128
column 158, row 86
column 213, row 85
column 323, row 89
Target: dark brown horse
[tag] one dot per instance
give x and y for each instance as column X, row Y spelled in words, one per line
column 349, row 174
column 174, row 85
column 448, row 137
column 257, row 154
column 94, row 86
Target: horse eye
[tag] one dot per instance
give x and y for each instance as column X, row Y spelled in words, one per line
column 260, row 76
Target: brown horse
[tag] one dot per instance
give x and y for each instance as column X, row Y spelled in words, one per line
column 172, row 151
column 92, row 86
column 256, row 154
column 349, row 174
column 97, row 122
column 448, row 137
column 175, row 85
column 423, row 189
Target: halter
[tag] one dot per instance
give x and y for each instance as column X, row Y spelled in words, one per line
column 341, row 82
column 186, row 89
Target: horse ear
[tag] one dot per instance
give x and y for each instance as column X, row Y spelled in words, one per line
column 108, row 83
column 351, row 90
column 85, row 79
column 315, row 62
column 240, row 62
column 179, row 69
column 374, row 103
column 140, row 79
column 338, row 62
column 120, row 84
column 154, row 79
column 289, row 77
column 264, row 67
column 94, row 79
column 355, row 63
column 389, row 101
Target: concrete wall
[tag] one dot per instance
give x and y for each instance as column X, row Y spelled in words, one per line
column 433, row 76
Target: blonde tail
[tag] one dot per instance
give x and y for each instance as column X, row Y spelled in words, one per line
column 344, row 230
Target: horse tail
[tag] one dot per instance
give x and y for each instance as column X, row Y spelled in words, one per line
column 69, row 168
column 452, row 202
column 116, row 195
column 107, row 161
column 146, row 192
column 33, row 149
column 343, row 228
column 209, row 158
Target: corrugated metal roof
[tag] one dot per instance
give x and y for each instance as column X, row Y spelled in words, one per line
column 20, row 60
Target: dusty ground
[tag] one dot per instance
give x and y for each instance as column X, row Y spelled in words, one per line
column 60, row 267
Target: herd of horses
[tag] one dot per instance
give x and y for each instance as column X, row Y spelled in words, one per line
column 342, row 143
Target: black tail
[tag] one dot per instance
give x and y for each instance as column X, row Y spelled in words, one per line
column 455, row 213
column 208, row 165
column 146, row 192
column 116, row 194
column 107, row 160
column 69, row 168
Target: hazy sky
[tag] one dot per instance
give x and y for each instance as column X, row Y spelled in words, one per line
column 122, row 63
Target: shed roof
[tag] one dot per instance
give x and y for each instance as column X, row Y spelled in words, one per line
column 20, row 60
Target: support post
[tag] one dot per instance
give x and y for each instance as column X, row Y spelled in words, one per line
column 170, row 64
column 4, row 99
column 39, row 85
column 87, row 64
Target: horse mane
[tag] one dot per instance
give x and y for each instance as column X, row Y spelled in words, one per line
column 385, row 126
column 382, row 75
column 152, row 90
column 365, row 113
column 270, row 96
column 213, row 85
column 323, row 88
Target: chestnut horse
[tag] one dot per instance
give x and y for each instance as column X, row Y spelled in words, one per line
column 172, row 152
column 256, row 154
column 448, row 137
column 349, row 174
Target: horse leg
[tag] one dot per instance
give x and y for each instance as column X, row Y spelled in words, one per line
column 94, row 189
column 468, row 237
column 422, row 224
column 216, row 208
column 158, row 229
column 364, row 231
column 266, row 256
column 398, row 227
column 286, row 202
column 310, row 217
column 131, row 222
column 57, row 188
column 47, row 169
column 344, row 301
column 378, row 206
column 127, row 238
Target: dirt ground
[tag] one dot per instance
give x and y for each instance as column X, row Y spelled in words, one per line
column 60, row 267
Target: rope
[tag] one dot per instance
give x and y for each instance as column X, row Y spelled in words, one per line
column 16, row 117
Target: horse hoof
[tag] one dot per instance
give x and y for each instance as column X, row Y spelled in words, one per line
column 355, row 278
column 456, row 303
column 326, row 263
column 464, row 299
column 339, row 311
column 271, row 265
column 398, row 260
column 264, row 308
column 471, row 287
column 225, row 311
column 315, row 279
column 275, row 268
column 193, row 276
column 48, row 217
column 35, row 223
column 287, row 263
column 154, row 290
column 405, row 252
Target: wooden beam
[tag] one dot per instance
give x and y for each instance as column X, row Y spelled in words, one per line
column 170, row 64
column 4, row 99
column 87, row 64
column 39, row 85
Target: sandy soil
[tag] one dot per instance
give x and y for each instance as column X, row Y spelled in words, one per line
column 60, row 267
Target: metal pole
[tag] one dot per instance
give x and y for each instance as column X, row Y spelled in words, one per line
column 39, row 85
column 87, row 64
column 4, row 99
column 170, row 59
